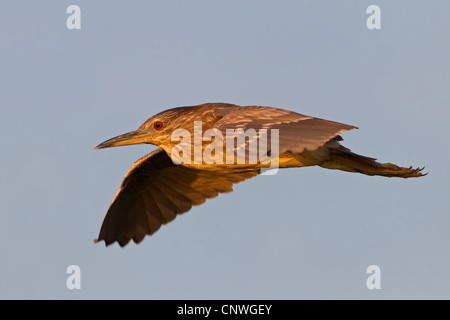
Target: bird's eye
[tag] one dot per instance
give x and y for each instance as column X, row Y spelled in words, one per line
column 158, row 125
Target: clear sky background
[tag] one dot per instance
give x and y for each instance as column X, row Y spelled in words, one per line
column 303, row 233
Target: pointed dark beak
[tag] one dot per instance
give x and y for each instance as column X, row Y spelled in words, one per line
column 133, row 137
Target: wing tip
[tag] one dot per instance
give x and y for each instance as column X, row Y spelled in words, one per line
column 107, row 243
column 123, row 241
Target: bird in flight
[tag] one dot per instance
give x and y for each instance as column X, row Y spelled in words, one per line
column 185, row 172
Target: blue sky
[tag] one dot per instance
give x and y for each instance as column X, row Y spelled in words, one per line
column 300, row 234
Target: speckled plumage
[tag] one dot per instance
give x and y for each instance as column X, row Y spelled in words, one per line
column 156, row 189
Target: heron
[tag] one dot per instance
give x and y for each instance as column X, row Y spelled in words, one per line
column 158, row 186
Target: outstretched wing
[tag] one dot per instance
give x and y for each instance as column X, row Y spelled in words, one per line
column 155, row 190
column 297, row 132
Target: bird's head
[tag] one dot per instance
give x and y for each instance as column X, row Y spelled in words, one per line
column 157, row 130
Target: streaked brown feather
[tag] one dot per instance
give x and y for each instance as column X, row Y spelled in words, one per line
column 155, row 190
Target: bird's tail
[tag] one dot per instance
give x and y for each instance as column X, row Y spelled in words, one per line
column 343, row 159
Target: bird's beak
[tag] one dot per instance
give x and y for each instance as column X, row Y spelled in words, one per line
column 133, row 137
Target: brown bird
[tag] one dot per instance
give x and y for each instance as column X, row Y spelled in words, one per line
column 185, row 172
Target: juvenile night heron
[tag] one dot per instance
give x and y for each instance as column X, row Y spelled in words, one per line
column 156, row 189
